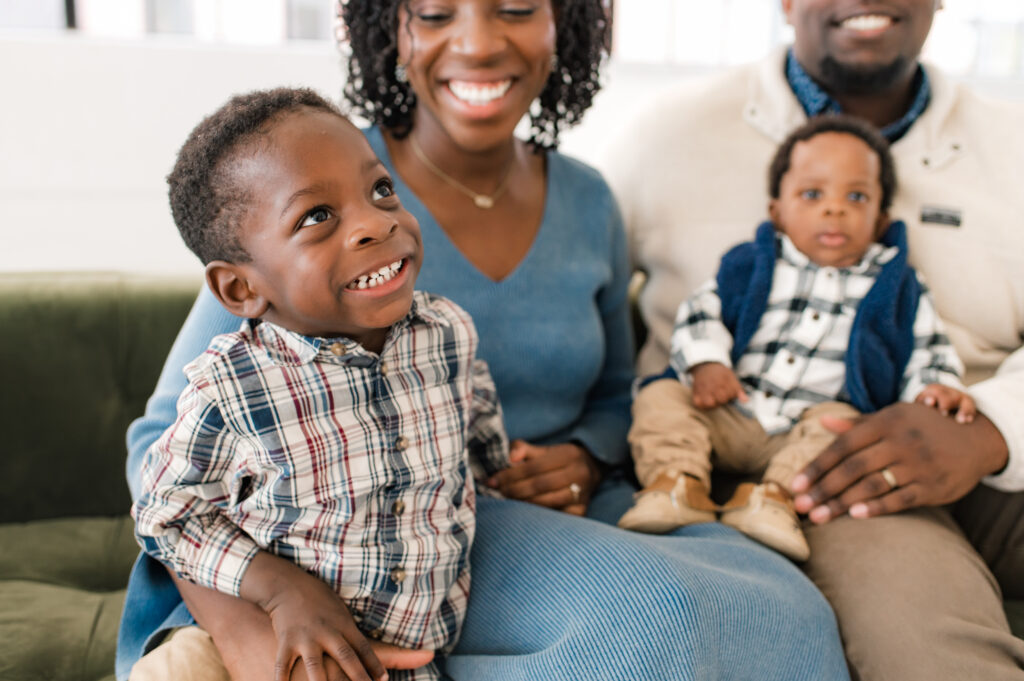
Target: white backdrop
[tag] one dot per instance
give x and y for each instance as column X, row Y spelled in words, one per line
column 89, row 128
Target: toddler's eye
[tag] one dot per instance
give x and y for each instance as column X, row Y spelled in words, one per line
column 383, row 189
column 315, row 217
column 810, row 194
column 432, row 15
column 857, row 197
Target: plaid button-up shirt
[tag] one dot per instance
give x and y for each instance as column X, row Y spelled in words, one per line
column 796, row 358
column 350, row 464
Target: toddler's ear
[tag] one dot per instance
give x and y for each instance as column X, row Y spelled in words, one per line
column 231, row 286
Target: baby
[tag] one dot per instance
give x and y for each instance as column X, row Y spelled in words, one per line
column 819, row 315
column 335, row 431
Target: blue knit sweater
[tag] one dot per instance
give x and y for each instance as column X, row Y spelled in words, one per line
column 555, row 332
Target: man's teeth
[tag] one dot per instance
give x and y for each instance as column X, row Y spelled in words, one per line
column 377, row 278
column 867, row 22
column 479, row 93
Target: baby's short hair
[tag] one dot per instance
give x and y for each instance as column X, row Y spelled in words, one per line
column 842, row 124
column 207, row 201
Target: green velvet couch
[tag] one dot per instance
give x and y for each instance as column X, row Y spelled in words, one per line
column 79, row 355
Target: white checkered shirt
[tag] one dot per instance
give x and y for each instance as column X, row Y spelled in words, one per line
column 795, row 359
column 350, row 464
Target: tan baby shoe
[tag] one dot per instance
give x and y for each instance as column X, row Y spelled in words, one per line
column 667, row 503
column 765, row 512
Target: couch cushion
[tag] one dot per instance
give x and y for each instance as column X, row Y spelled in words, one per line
column 61, row 593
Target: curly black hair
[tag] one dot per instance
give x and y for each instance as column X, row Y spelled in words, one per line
column 207, row 200
column 836, row 123
column 373, row 92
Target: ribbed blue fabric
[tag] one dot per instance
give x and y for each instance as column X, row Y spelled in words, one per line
column 704, row 603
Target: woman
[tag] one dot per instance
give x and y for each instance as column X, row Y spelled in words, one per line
column 530, row 243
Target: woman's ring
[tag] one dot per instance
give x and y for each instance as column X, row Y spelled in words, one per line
column 576, row 491
column 889, row 478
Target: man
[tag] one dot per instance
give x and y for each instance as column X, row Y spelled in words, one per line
column 938, row 513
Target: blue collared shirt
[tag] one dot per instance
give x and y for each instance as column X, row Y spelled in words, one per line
column 816, row 101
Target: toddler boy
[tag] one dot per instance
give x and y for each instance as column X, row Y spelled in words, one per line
column 332, row 430
column 819, row 315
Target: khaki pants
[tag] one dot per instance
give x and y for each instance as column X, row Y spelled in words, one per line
column 918, row 595
column 187, row 654
column 670, row 435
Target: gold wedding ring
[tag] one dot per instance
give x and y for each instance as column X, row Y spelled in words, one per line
column 576, row 491
column 889, row 478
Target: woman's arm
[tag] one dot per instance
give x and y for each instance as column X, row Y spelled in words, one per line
column 601, row 429
column 206, row 320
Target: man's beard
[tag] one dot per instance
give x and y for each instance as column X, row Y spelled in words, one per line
column 842, row 79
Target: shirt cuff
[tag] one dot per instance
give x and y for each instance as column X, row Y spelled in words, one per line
column 604, row 437
column 220, row 560
column 698, row 352
column 1002, row 406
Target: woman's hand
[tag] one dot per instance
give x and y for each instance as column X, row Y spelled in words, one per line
column 904, row 456
column 560, row 476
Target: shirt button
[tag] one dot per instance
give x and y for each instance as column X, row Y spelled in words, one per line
column 337, row 348
column 768, row 393
column 397, row 575
column 377, row 634
column 815, row 316
column 398, row 508
column 383, row 368
column 401, row 443
column 790, row 359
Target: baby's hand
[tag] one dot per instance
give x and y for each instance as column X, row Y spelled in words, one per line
column 715, row 384
column 949, row 400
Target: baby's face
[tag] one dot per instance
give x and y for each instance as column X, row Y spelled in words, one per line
column 333, row 251
column 830, row 199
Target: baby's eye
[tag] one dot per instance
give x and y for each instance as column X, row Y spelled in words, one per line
column 857, row 197
column 315, row 217
column 383, row 189
column 810, row 194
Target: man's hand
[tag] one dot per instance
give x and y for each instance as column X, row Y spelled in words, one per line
column 948, row 401
column 310, row 620
column 715, row 384
column 933, row 460
column 544, row 475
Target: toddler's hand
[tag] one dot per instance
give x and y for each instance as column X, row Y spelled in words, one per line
column 715, row 384
column 310, row 621
column 949, row 400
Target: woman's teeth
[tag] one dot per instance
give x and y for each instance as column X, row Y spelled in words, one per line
column 478, row 93
column 867, row 22
column 377, row 278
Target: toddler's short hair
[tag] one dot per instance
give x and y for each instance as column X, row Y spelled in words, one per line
column 843, row 124
column 207, row 201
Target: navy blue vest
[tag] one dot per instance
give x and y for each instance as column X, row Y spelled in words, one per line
column 882, row 337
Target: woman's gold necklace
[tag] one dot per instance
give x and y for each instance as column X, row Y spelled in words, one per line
column 485, row 201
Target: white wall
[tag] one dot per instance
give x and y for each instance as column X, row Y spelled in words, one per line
column 89, row 129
